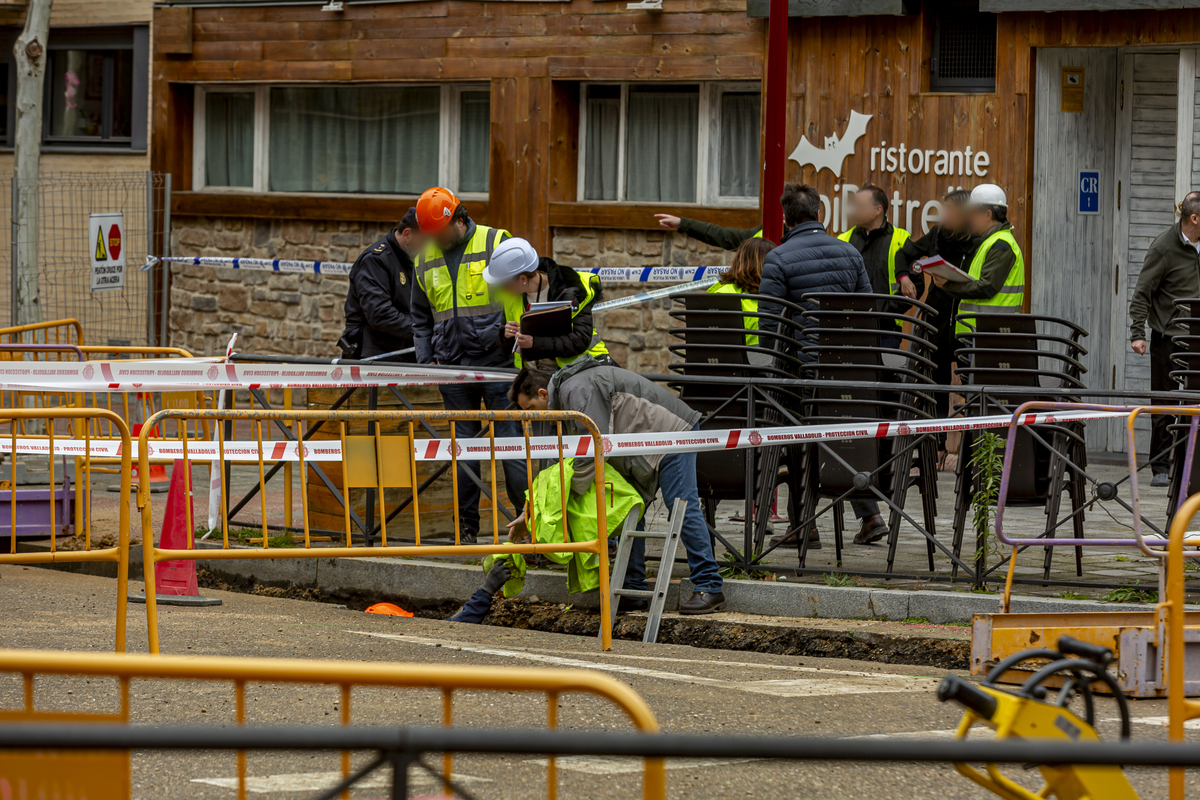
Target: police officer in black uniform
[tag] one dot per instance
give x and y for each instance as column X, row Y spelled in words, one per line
column 378, row 317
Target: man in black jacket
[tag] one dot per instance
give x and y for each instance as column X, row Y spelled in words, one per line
column 810, row 260
column 378, row 317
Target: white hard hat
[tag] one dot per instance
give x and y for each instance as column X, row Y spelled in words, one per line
column 511, row 258
column 988, row 194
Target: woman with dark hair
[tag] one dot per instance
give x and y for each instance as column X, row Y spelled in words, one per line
column 952, row 240
column 743, row 277
column 523, row 277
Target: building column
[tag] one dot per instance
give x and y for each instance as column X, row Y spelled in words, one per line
column 1185, row 122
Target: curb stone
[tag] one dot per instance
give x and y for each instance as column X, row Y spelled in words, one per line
column 438, row 582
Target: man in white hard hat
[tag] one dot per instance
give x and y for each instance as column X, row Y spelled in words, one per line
column 523, row 277
column 997, row 270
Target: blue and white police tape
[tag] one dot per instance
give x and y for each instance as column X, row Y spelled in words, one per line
column 609, row 274
column 257, row 264
column 655, row 274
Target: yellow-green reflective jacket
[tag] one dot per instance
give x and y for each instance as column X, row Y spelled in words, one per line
column 899, row 238
column 514, row 309
column 583, row 569
column 465, row 315
column 749, row 306
column 1011, row 296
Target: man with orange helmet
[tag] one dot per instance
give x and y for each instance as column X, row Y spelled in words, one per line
column 457, row 321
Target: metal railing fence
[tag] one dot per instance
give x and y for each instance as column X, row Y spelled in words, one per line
column 374, row 463
column 345, row 676
column 60, row 495
column 59, row 241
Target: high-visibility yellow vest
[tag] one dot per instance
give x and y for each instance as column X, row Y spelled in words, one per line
column 1010, row 298
column 899, row 237
column 757, row 235
column 472, row 293
column 749, row 306
column 514, row 309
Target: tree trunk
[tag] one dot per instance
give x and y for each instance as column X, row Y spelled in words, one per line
column 30, row 52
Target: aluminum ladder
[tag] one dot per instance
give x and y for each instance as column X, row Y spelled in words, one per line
column 657, row 596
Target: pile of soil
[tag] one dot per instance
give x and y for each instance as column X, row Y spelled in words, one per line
column 100, row 541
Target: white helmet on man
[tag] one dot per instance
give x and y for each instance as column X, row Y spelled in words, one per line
column 988, row 194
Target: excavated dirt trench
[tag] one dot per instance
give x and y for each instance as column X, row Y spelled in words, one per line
column 798, row 640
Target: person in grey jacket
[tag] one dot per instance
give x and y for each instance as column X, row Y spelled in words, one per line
column 810, row 260
column 1171, row 270
column 620, row 401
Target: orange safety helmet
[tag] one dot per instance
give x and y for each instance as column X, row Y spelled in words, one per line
column 435, row 209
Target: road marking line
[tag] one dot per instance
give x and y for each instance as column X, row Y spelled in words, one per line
column 723, row 663
column 607, row 765
column 947, row 734
column 316, row 781
column 1191, row 724
column 821, row 684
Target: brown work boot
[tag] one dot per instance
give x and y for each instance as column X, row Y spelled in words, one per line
column 789, row 538
column 873, row 529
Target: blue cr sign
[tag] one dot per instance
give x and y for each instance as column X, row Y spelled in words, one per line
column 1089, row 192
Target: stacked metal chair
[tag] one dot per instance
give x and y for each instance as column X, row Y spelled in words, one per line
column 861, row 367
column 1041, row 353
column 1187, row 358
column 736, row 385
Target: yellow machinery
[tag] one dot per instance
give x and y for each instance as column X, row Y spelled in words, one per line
column 1039, row 710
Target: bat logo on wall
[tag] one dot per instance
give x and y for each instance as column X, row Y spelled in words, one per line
column 833, row 155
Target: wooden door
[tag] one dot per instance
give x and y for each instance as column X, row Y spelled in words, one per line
column 1147, row 148
column 1073, row 276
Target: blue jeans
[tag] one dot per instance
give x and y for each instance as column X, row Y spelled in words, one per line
column 677, row 479
column 494, row 396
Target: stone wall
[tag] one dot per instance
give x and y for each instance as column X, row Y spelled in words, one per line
column 637, row 335
column 302, row 314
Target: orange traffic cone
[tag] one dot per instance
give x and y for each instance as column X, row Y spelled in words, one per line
column 175, row 581
column 158, row 473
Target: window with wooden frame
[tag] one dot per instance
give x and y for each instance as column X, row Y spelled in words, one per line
column 670, row 143
column 95, row 90
column 342, row 139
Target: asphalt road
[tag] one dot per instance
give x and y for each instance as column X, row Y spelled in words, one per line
column 690, row 691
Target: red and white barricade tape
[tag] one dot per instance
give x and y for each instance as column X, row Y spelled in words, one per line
column 630, row 444
column 199, row 374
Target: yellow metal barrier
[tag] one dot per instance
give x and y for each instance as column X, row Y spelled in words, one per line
column 118, row 554
column 1180, row 708
column 58, row 331
column 346, row 675
column 136, row 407
column 376, row 462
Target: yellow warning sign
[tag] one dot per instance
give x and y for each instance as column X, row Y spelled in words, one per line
column 101, row 252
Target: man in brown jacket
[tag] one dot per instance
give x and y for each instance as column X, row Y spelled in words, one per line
column 1171, row 270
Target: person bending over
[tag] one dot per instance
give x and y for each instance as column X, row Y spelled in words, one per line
column 619, row 401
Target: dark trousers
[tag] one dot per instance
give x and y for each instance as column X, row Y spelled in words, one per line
column 1161, row 350
column 494, row 396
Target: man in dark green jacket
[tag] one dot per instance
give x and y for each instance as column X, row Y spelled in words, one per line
column 997, row 268
column 710, row 234
column 1170, row 270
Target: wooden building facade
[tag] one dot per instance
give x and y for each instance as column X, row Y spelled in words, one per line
column 571, row 123
column 531, row 60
